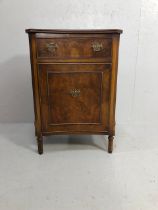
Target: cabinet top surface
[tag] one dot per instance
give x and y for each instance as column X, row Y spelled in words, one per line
column 74, row 31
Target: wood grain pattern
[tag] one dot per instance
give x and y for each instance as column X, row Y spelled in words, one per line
column 66, row 107
column 74, row 83
column 89, row 111
column 74, row 48
column 35, row 86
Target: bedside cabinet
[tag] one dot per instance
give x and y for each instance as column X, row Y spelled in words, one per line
column 74, row 76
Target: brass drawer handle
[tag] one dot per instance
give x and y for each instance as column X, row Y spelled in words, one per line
column 51, row 47
column 97, row 46
column 75, row 92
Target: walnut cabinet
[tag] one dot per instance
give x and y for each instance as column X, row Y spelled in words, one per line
column 74, row 77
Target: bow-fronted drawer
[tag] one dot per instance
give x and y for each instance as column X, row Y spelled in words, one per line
column 84, row 49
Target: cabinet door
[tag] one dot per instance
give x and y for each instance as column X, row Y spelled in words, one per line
column 74, row 97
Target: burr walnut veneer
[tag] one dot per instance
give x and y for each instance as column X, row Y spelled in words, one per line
column 74, row 76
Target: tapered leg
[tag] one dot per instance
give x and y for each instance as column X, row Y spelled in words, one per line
column 40, row 144
column 110, row 144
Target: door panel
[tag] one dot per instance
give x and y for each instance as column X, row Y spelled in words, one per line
column 74, row 97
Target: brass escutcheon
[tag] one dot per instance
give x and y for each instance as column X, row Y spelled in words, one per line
column 51, row 47
column 75, row 92
column 97, row 46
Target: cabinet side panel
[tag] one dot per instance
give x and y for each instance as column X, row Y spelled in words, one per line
column 113, row 83
column 35, row 85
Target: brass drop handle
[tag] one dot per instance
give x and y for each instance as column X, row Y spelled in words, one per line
column 75, row 92
column 51, row 47
column 97, row 46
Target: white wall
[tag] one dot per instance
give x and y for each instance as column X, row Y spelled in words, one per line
column 137, row 98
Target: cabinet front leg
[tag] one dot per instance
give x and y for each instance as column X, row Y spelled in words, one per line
column 110, row 144
column 40, row 144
